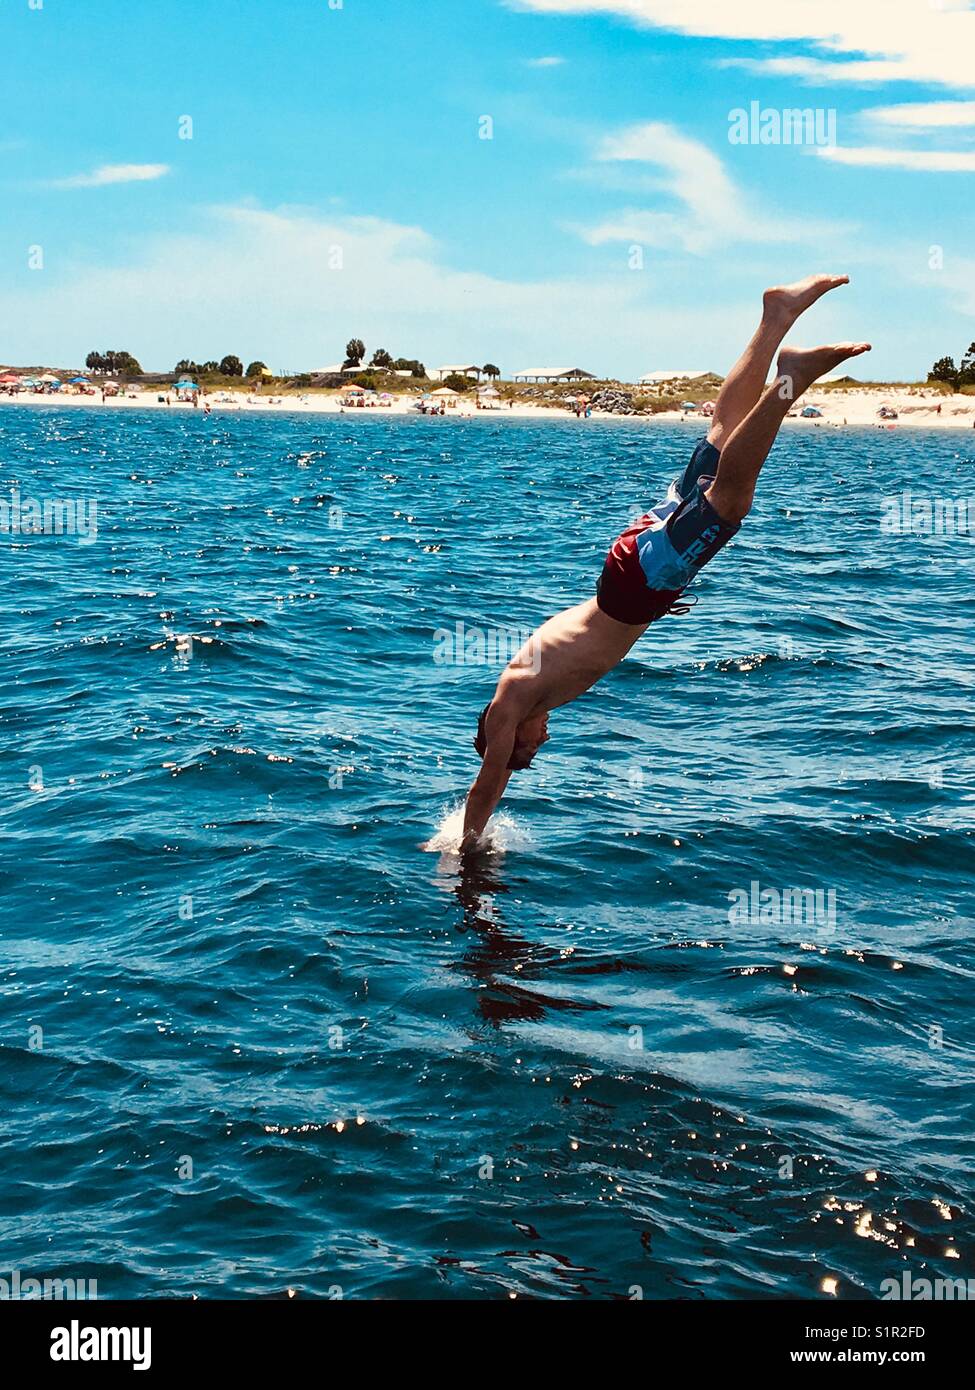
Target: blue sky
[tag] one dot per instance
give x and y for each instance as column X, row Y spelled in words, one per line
column 336, row 183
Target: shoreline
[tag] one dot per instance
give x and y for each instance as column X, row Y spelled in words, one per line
column 856, row 408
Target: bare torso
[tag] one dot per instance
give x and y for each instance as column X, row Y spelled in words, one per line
column 569, row 654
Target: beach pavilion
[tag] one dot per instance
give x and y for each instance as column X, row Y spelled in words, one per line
column 442, row 373
column 657, row 378
column 554, row 374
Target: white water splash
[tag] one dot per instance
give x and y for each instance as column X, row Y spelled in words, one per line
column 502, row 833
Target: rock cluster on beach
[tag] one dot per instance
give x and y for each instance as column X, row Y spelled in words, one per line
column 614, row 401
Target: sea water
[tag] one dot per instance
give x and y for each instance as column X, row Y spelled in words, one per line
column 264, row 1030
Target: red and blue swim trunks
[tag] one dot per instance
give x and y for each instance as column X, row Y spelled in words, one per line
column 652, row 562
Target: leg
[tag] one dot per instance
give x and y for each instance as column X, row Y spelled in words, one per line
column 732, row 491
column 746, row 381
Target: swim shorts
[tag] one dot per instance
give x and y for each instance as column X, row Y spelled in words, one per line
column 653, row 561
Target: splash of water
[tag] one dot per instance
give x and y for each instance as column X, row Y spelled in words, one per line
column 503, row 832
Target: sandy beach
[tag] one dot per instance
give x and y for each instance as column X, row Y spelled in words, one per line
column 856, row 407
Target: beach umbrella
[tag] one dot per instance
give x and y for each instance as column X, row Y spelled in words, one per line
column 445, row 391
column 8, row 379
column 79, row 381
column 355, row 390
column 49, row 376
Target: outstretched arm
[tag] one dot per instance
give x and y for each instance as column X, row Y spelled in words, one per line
column 489, row 785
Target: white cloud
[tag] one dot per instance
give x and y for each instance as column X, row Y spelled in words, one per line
column 928, row 161
column 259, row 283
column 712, row 210
column 814, row 70
column 548, row 62
column 114, row 173
column 915, row 40
column 925, row 115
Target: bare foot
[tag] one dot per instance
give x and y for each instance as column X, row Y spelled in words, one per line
column 800, row 367
column 789, row 301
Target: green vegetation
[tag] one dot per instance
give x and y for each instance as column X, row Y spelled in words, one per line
column 355, row 351
column 410, row 364
column 944, row 370
column 368, row 380
column 456, row 382
column 381, row 375
column 113, row 364
column 229, row 370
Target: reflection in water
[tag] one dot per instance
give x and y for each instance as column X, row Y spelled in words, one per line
column 495, row 953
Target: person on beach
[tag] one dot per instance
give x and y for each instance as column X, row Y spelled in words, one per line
column 650, row 565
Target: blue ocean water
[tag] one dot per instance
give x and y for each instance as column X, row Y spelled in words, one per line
column 262, row 1032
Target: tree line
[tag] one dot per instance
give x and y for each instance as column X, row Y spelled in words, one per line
column 124, row 364
column 945, row 370
column 113, row 364
column 355, row 351
column 227, row 366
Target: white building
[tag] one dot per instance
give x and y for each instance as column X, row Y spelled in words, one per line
column 554, row 374
column 337, row 370
column 442, row 373
column 655, row 378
